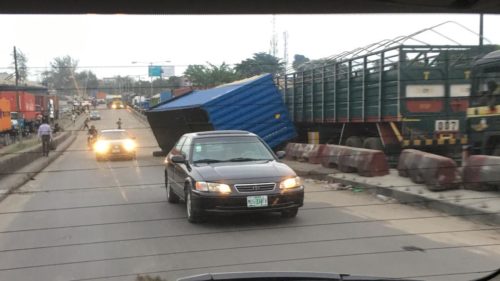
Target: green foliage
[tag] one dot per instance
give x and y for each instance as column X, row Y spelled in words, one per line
column 61, row 75
column 258, row 64
column 299, row 62
column 22, row 65
column 211, row 76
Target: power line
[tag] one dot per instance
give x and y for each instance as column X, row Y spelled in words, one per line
column 285, row 260
column 255, row 246
column 245, row 229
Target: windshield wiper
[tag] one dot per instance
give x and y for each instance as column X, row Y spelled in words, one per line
column 208, row 161
column 246, row 159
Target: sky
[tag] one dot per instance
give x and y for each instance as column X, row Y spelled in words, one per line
column 108, row 44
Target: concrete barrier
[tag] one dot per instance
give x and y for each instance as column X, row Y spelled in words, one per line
column 289, row 150
column 406, row 158
column 313, row 153
column 366, row 162
column 436, row 171
column 12, row 162
column 481, row 173
column 330, row 155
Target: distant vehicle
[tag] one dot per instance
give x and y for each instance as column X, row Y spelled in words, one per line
column 230, row 171
column 5, row 120
column 101, row 101
column 117, row 104
column 95, row 115
column 115, row 144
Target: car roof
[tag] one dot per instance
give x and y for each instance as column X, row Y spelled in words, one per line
column 113, row 131
column 220, row 133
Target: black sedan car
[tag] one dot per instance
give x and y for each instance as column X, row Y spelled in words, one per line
column 230, row 171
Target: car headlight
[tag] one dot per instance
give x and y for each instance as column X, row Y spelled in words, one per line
column 101, row 146
column 129, row 145
column 291, row 183
column 121, row 105
column 212, row 187
column 113, row 106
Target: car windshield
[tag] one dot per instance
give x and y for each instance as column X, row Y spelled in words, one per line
column 117, row 135
column 229, row 149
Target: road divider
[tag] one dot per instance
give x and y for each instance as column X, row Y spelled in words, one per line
column 435, row 171
column 12, row 162
column 481, row 173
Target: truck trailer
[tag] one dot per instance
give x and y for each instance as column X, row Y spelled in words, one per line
column 388, row 97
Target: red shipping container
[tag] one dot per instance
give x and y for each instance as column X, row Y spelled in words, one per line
column 26, row 103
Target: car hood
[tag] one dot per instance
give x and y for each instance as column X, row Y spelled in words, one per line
column 244, row 172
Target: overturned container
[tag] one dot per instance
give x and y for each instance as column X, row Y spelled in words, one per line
column 253, row 105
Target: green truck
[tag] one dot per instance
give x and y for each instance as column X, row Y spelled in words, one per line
column 483, row 114
column 388, row 98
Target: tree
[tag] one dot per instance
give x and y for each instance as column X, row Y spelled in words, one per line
column 203, row 76
column 299, row 61
column 198, row 74
column 88, row 82
column 22, row 65
column 258, row 64
column 61, row 76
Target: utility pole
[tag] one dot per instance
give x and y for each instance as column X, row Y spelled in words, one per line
column 481, row 29
column 19, row 113
column 285, row 49
column 274, row 40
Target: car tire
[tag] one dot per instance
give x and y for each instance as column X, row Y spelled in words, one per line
column 171, row 196
column 193, row 215
column 289, row 213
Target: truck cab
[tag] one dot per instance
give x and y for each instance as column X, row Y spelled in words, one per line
column 483, row 114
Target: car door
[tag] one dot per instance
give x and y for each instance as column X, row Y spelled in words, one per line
column 171, row 166
column 181, row 169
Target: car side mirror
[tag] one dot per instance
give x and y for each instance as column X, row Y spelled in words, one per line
column 179, row 159
column 281, row 154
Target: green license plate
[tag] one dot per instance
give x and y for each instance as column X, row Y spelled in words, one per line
column 257, row 201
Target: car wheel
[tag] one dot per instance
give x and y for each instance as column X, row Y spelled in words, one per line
column 289, row 213
column 193, row 215
column 171, row 196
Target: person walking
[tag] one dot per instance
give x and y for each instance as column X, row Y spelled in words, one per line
column 45, row 134
column 119, row 123
column 73, row 117
column 86, row 123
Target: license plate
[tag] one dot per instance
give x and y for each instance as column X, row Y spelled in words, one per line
column 257, row 201
column 116, row 149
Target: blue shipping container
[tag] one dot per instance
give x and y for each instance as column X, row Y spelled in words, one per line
column 253, row 104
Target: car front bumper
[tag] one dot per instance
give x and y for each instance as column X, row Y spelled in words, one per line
column 238, row 203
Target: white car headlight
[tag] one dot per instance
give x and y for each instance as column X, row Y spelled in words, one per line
column 129, row 145
column 212, row 187
column 291, row 183
column 101, row 146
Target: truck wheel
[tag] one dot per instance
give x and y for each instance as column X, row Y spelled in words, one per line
column 354, row 141
column 373, row 143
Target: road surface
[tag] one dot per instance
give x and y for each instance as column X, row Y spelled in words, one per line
column 85, row 220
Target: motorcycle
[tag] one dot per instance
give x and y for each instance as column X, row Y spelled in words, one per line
column 91, row 140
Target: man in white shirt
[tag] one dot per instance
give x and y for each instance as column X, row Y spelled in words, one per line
column 45, row 133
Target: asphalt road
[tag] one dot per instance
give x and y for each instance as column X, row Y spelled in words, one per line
column 85, row 220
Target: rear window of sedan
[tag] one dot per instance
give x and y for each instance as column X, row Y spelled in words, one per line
column 223, row 149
